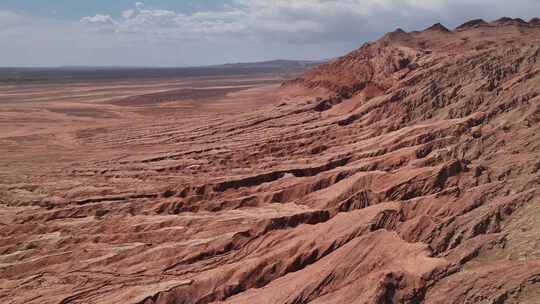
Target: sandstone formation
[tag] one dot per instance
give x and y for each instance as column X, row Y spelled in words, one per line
column 407, row 171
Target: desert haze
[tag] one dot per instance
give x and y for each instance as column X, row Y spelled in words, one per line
column 407, row 171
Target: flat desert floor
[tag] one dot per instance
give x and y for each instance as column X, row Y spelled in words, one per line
column 46, row 128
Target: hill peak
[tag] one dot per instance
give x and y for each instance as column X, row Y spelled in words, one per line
column 472, row 24
column 438, row 27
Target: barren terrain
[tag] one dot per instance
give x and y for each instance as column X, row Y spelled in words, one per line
column 407, row 171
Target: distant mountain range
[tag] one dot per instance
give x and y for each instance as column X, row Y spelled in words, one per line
column 72, row 73
column 274, row 64
column 270, row 64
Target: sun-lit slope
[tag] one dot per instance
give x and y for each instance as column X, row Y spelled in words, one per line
column 407, row 171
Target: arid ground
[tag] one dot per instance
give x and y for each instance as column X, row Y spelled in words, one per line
column 407, row 171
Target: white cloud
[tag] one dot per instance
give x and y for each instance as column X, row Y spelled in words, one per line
column 10, row 19
column 99, row 20
column 100, row 23
column 128, row 13
column 139, row 5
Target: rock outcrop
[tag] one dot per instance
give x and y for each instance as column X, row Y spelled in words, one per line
column 407, row 171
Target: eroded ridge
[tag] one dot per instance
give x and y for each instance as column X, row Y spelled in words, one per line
column 407, row 171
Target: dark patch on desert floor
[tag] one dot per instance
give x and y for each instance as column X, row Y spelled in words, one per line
column 83, row 112
column 197, row 94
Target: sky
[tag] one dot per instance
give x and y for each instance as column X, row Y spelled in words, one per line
column 204, row 32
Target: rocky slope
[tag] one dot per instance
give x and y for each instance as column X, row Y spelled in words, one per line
column 407, row 171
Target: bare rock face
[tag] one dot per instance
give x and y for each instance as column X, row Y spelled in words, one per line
column 472, row 24
column 534, row 21
column 407, row 171
column 510, row 21
column 437, row 27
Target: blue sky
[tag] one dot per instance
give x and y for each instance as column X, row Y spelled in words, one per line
column 76, row 9
column 200, row 32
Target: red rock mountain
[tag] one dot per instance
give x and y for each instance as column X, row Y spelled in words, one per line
column 407, row 171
